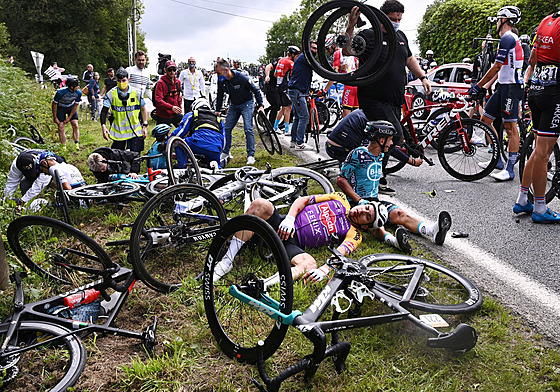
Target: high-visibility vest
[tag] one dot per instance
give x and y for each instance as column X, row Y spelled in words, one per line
column 126, row 123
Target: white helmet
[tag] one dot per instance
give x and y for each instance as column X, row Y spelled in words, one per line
column 429, row 52
column 511, row 12
column 200, row 103
column 381, row 215
column 329, row 40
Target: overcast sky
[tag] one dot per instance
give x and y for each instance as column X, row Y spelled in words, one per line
column 185, row 28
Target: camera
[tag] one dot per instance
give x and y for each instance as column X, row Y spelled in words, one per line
column 162, row 59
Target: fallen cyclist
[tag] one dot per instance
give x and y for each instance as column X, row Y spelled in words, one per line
column 310, row 223
column 359, row 180
column 105, row 161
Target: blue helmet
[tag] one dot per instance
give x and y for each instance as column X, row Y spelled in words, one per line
column 44, row 155
column 160, row 132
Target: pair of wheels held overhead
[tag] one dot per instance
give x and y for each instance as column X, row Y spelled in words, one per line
column 372, row 32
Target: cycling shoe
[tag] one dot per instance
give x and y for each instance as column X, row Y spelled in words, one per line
column 519, row 209
column 548, row 217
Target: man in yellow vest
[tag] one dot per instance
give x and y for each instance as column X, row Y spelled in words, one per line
column 127, row 129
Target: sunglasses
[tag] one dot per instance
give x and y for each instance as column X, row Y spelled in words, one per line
column 172, row 70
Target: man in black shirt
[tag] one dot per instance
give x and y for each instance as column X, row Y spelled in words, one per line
column 110, row 81
column 382, row 99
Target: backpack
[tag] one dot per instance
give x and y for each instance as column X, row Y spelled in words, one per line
column 169, row 92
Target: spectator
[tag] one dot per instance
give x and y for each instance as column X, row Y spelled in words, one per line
column 192, row 82
column 241, row 91
column 203, row 131
column 283, row 73
column 57, row 76
column 88, row 74
column 105, row 161
column 139, row 75
column 168, row 97
column 343, row 64
column 93, row 96
column 271, row 91
column 130, row 117
column 237, row 67
column 64, row 109
column 25, row 172
column 11, row 60
column 110, row 81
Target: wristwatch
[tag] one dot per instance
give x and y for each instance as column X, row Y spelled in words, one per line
column 423, row 77
column 145, row 124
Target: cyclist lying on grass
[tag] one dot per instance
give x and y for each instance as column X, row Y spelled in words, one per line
column 121, row 162
column 309, row 224
column 359, row 180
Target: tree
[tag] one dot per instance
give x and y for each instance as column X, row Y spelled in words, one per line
column 72, row 33
column 449, row 26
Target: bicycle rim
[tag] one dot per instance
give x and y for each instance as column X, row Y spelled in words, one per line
column 306, row 182
column 61, row 198
column 105, row 191
column 57, row 251
column 552, row 167
column 334, row 111
column 440, row 289
column 237, row 326
column 55, row 366
column 182, row 167
column 264, row 134
column 315, row 128
column 466, row 165
column 172, row 234
column 324, row 116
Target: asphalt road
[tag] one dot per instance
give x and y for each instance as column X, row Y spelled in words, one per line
column 509, row 257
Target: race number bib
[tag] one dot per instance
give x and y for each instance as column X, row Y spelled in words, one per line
column 545, row 75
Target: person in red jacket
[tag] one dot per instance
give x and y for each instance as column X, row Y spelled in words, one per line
column 168, row 98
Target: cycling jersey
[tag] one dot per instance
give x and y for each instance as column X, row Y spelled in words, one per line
column 68, row 173
column 66, row 99
column 510, row 55
column 325, row 215
column 345, row 64
column 547, row 47
column 283, row 72
column 363, row 171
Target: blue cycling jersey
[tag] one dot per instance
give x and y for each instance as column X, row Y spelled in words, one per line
column 363, row 170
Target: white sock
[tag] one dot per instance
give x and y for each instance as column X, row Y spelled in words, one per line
column 391, row 240
column 522, row 198
column 427, row 230
column 540, row 205
column 234, row 247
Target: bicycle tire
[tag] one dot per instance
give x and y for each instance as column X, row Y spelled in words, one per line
column 105, row 191
column 365, row 74
column 172, row 233
column 61, row 198
column 553, row 167
column 57, row 251
column 263, row 131
column 324, row 116
column 433, row 115
column 315, row 127
column 36, row 135
column 25, row 142
column 156, row 186
column 393, row 164
column 299, row 177
column 441, row 290
column 334, row 111
column 460, row 164
column 236, row 326
column 64, row 359
column 183, row 168
column 521, row 130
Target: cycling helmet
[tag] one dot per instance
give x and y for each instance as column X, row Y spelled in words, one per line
column 379, row 129
column 44, row 155
column 200, row 103
column 237, row 61
column 381, row 215
column 467, row 60
column 121, row 73
column 511, row 13
column 525, row 39
column 429, row 52
column 72, row 81
column 292, row 49
column 330, row 40
column 160, row 132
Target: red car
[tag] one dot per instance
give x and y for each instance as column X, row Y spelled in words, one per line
column 453, row 78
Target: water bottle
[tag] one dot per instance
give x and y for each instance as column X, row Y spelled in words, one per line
column 81, row 298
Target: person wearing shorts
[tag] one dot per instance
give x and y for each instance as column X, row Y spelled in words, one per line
column 359, row 180
column 544, row 101
column 504, row 102
column 309, row 223
column 64, row 110
column 283, row 73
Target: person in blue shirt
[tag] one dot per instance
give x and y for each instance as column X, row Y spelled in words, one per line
column 93, row 96
column 203, row 131
column 64, row 109
column 161, row 134
column 241, row 90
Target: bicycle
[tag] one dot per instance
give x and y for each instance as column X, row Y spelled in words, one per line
column 319, row 117
column 41, row 346
column 460, row 141
column 250, row 309
column 173, row 231
column 334, row 105
column 266, row 133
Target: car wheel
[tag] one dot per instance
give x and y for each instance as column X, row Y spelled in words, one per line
column 418, row 101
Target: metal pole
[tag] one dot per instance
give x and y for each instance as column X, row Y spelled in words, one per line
column 134, row 19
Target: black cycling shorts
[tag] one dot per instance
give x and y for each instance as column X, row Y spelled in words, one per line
column 545, row 110
column 284, row 98
column 291, row 245
column 504, row 102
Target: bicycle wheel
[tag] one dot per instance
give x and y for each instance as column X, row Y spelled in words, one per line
column 393, row 164
column 552, row 167
column 315, row 128
column 172, row 233
column 57, row 251
column 36, row 135
column 324, row 116
column 54, row 366
column 334, row 111
column 263, row 131
column 182, row 166
column 233, row 200
column 434, row 114
column 106, row 190
column 61, row 198
column 236, row 326
column 284, row 185
column 25, row 142
column 464, row 165
column 440, row 289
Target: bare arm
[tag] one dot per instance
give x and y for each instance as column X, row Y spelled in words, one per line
column 417, row 71
column 493, row 71
column 352, row 20
column 347, row 189
column 531, row 67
